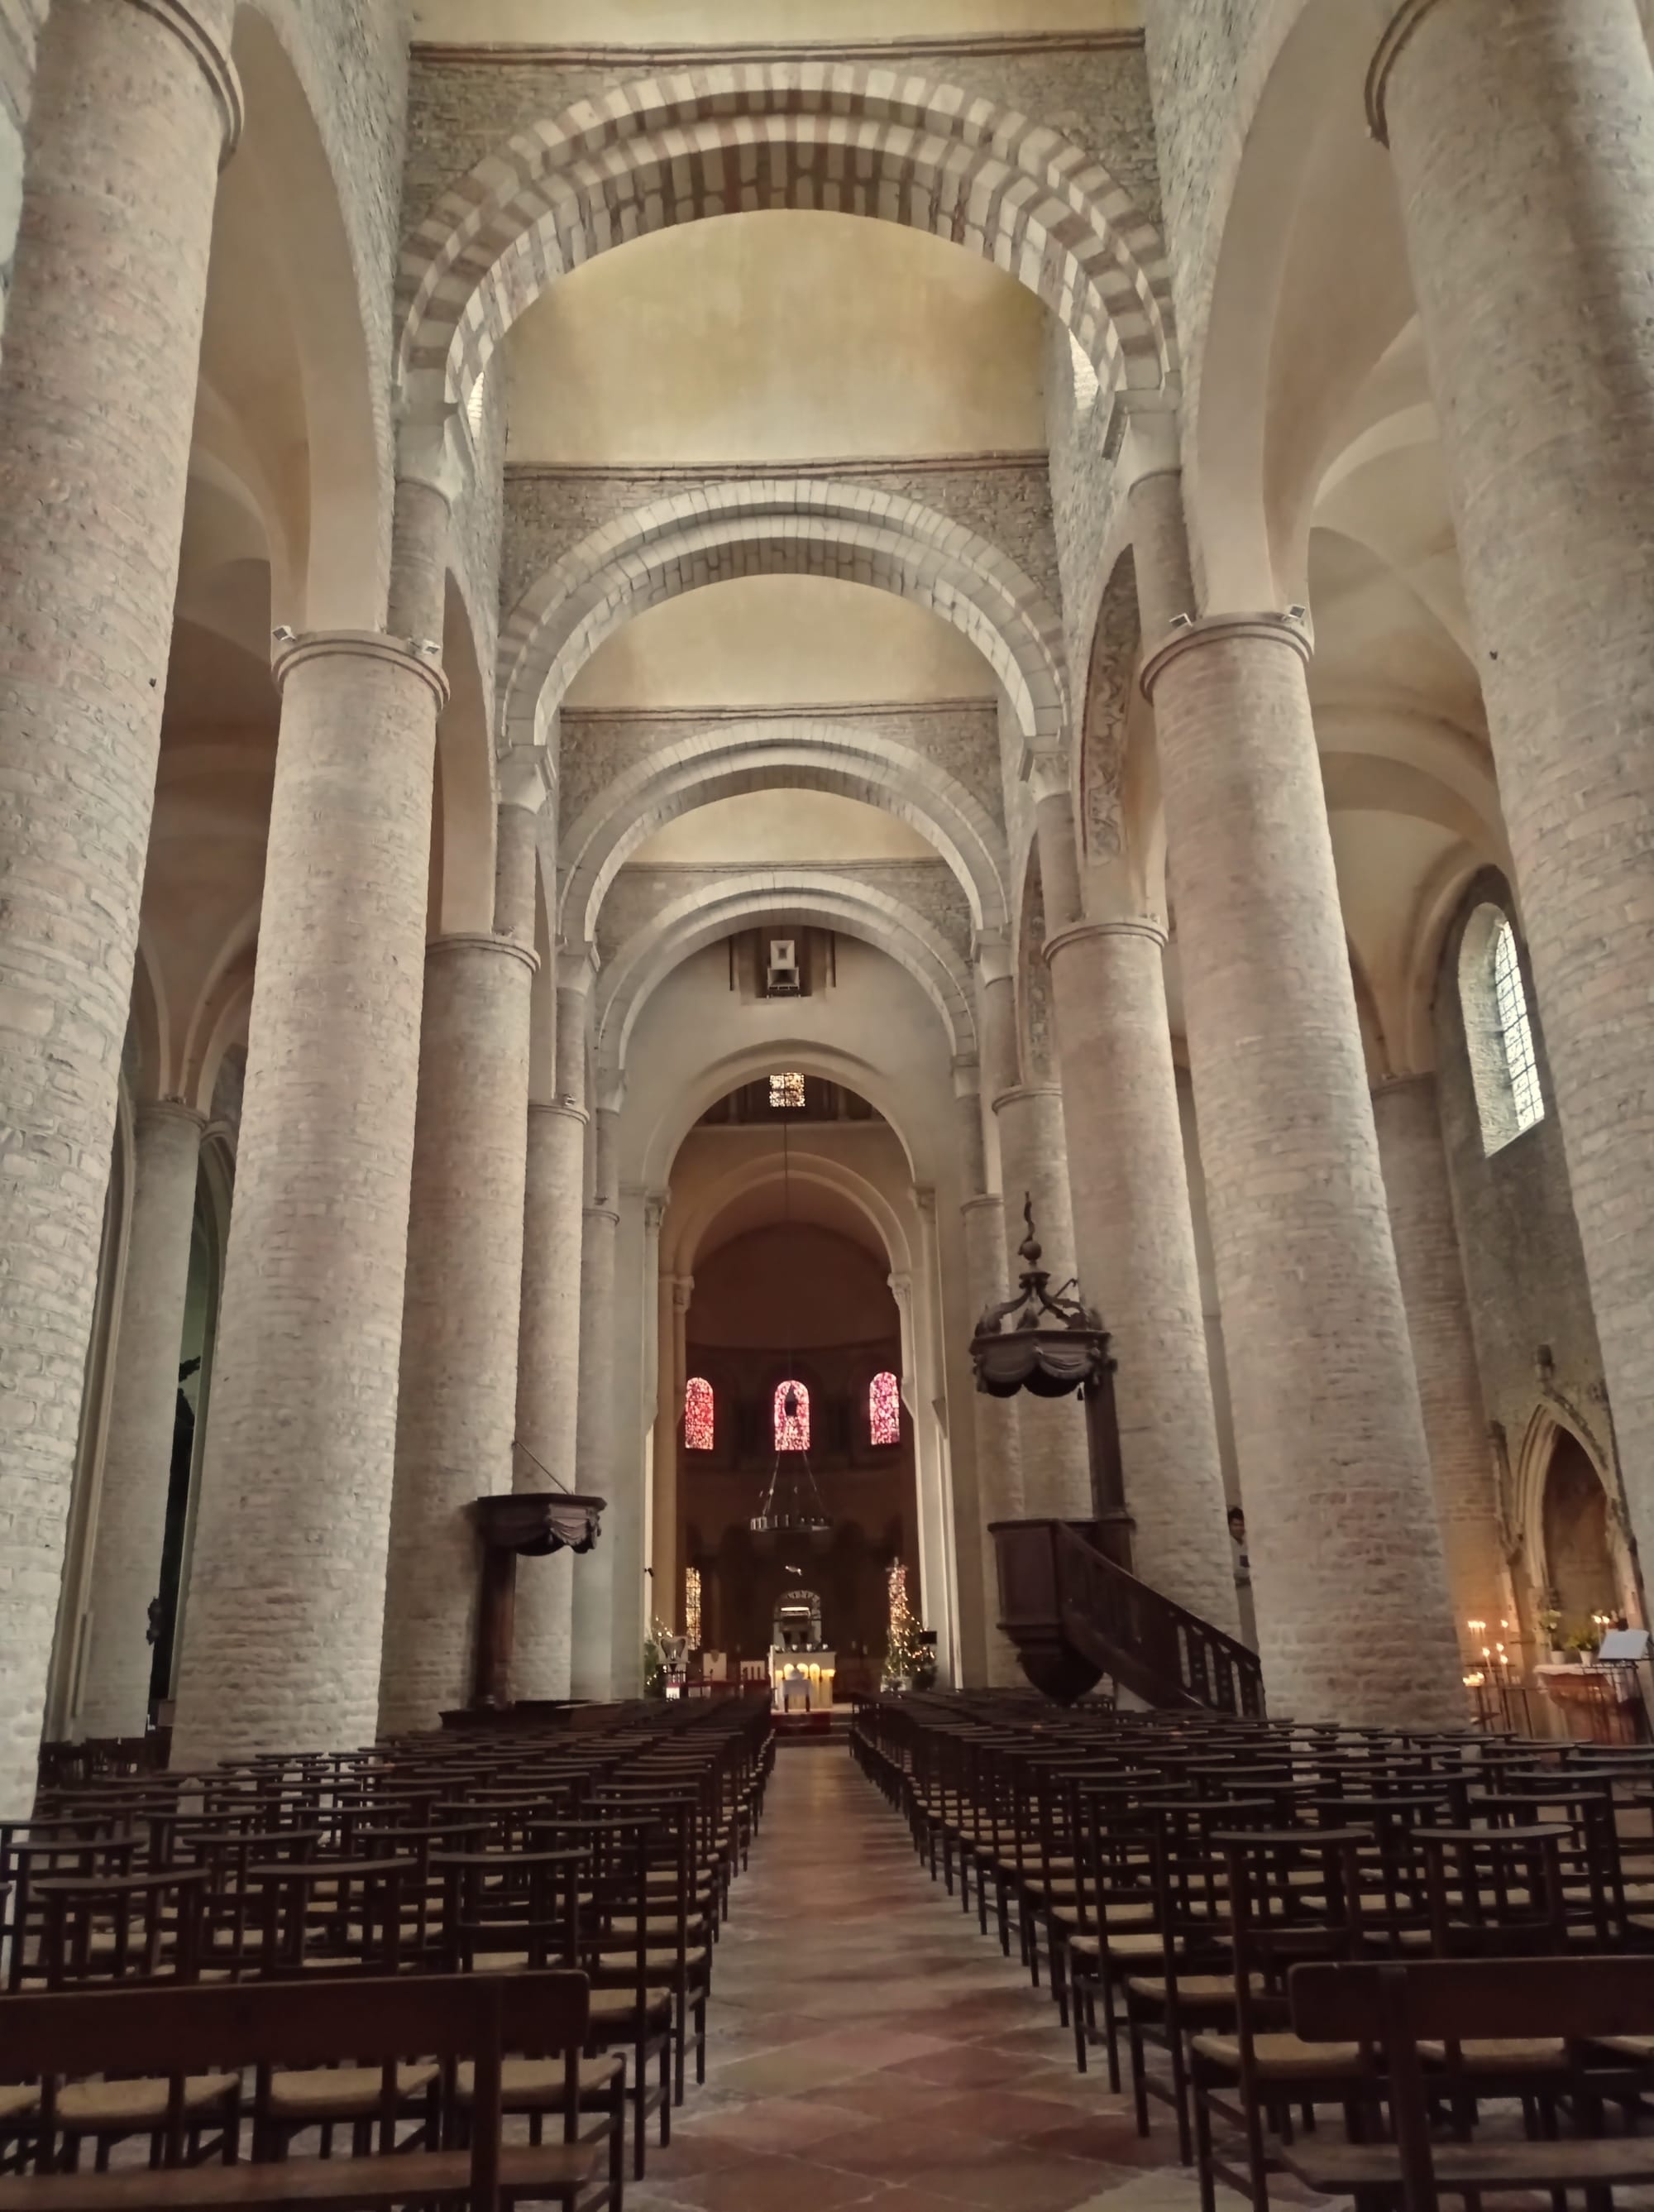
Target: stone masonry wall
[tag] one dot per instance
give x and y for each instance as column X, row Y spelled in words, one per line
column 1523, row 1267
column 479, row 522
column 959, row 735
column 1087, row 499
column 1093, row 89
column 639, row 894
column 1004, row 498
column 352, row 62
column 19, row 26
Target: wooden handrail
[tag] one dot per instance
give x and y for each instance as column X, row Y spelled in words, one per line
column 1191, row 1661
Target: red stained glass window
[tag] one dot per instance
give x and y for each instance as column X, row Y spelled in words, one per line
column 791, row 1416
column 698, row 1414
column 884, row 1409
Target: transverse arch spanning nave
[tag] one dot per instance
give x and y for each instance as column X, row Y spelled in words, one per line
column 1123, row 537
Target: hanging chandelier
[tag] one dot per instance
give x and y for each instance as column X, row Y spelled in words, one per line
column 792, row 1504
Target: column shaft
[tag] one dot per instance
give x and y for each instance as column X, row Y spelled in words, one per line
column 1134, row 1240
column 281, row 1637
column 998, row 1440
column 1522, row 137
column 1033, row 1156
column 548, row 1384
column 133, row 110
column 1353, row 1624
column 137, row 1468
column 592, row 1656
column 1444, row 1349
column 457, row 1404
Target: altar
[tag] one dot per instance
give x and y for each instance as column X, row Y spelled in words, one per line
column 801, row 1681
column 1594, row 1704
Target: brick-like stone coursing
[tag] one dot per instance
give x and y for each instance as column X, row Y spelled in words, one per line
column 1353, row 1623
column 457, row 1401
column 282, row 1630
column 96, row 408
column 138, row 1465
column 1135, row 1249
column 1521, row 133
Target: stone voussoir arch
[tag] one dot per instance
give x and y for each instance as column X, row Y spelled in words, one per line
column 780, row 526
column 630, row 976
column 730, row 137
column 767, row 756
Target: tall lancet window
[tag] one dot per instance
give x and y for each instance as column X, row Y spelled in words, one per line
column 1498, row 1031
column 884, row 1409
column 698, row 1412
column 791, row 1416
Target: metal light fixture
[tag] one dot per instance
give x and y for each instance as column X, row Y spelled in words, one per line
column 792, row 1504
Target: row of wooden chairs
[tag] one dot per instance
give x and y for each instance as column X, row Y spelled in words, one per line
column 1169, row 1872
column 608, row 1852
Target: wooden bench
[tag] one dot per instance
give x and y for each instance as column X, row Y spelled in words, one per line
column 372, row 2023
column 1601, row 2008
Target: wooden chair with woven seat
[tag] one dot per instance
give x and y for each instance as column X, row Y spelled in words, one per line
column 1249, row 2075
column 1187, row 1983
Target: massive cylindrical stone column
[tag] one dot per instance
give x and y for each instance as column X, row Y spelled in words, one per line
column 1353, row 1624
column 1033, row 1163
column 457, row 1404
column 142, row 1411
column 1134, row 1242
column 592, row 1657
column 282, row 1632
column 1414, row 1164
column 1522, row 137
column 134, row 109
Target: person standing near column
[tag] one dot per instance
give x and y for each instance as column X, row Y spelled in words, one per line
column 1522, row 136
column 131, row 1524
column 136, row 109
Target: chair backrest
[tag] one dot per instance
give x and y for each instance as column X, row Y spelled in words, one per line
column 1459, row 1999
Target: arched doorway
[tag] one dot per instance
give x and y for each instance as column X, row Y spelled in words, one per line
column 1581, row 1571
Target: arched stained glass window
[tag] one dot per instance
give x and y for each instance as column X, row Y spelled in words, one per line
column 884, row 1409
column 791, row 1416
column 698, row 1407
column 1511, row 1004
column 1498, row 1032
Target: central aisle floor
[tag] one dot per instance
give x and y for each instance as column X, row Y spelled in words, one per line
column 868, row 2046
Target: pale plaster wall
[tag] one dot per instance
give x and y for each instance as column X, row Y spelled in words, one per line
column 783, row 826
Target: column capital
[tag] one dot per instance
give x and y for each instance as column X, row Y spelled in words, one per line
column 1286, row 630
column 170, row 1109
column 983, row 1200
column 608, row 1214
column 477, row 940
column 683, row 1291
column 1020, row 1091
column 566, row 1107
column 527, row 777
column 1403, row 21
column 992, row 952
column 967, row 1077
column 577, row 964
column 208, row 49
column 295, row 649
column 431, row 444
column 1048, row 773
column 1145, row 925
column 1153, row 445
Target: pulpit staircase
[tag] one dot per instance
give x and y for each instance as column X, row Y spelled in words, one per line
column 1075, row 1614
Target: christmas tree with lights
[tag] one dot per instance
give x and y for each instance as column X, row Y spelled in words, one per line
column 904, row 1656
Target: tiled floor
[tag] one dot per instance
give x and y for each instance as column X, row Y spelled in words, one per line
column 868, row 2047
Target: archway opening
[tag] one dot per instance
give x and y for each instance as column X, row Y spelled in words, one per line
column 1579, row 1552
column 791, row 1305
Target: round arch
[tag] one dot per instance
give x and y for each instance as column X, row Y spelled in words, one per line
column 779, row 526
column 847, row 136
column 1551, row 1419
column 829, row 1062
column 813, row 1169
column 769, row 755
column 627, row 980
